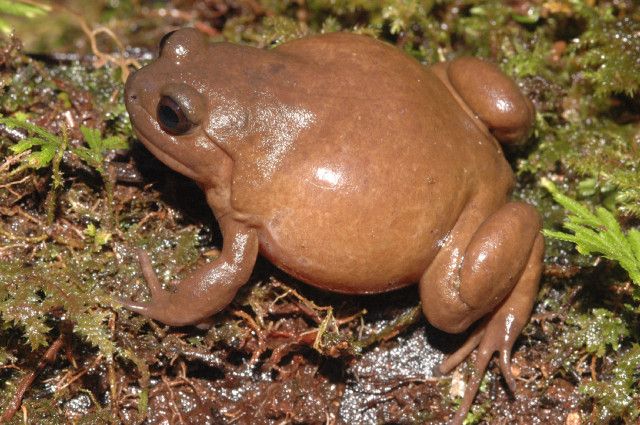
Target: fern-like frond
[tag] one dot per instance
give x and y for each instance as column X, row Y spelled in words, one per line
column 597, row 233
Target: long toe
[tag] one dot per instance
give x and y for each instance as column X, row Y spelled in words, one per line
column 463, row 352
column 505, row 368
column 149, row 274
column 141, row 308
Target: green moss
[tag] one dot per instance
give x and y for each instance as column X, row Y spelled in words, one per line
column 599, row 332
column 608, row 55
column 41, row 411
column 617, row 396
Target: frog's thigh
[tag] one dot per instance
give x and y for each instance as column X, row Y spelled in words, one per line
column 469, row 278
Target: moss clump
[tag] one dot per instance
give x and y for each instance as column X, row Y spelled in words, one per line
column 617, row 395
column 598, row 332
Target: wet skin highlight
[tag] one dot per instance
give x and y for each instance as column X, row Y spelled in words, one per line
column 354, row 168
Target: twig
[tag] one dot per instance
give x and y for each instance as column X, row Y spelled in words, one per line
column 80, row 374
column 34, row 239
column 398, row 325
column 103, row 58
column 8, row 247
column 49, row 356
column 121, row 60
column 13, row 159
column 13, row 183
column 262, row 345
column 174, row 403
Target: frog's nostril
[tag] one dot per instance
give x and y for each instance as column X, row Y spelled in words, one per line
column 130, row 93
column 131, row 88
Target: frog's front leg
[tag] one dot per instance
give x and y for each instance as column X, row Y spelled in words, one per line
column 210, row 288
column 495, row 275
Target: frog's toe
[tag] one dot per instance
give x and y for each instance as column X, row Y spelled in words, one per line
column 155, row 309
column 138, row 307
column 159, row 308
column 497, row 333
column 505, row 368
column 499, row 337
column 149, row 274
column 483, row 356
column 463, row 352
column 160, row 303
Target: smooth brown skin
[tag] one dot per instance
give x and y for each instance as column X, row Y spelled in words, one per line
column 356, row 169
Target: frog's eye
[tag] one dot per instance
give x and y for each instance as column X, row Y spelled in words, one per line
column 171, row 117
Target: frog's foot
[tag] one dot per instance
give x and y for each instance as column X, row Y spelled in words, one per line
column 206, row 291
column 496, row 281
column 495, row 334
column 499, row 331
column 161, row 307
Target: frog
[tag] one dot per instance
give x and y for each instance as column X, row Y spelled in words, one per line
column 354, row 168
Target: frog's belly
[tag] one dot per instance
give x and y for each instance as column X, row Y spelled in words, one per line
column 362, row 218
column 367, row 251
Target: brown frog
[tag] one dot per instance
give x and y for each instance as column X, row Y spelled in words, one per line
column 354, row 168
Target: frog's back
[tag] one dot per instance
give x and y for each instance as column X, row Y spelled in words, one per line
column 381, row 164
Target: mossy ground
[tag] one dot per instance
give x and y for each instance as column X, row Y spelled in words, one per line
column 70, row 224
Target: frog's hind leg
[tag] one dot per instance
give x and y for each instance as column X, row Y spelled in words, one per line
column 492, row 96
column 496, row 278
column 499, row 331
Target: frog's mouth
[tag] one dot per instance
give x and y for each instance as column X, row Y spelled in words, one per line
column 147, row 129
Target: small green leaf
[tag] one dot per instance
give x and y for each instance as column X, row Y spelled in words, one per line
column 92, row 158
column 19, row 122
column 94, row 154
column 90, row 230
column 100, row 237
column 35, row 330
column 92, row 137
column 22, row 9
column 634, row 239
column 43, row 157
column 91, row 325
column 26, row 144
column 48, row 143
column 114, row 142
column 532, row 16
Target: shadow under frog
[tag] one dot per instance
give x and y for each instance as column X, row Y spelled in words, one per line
column 354, row 168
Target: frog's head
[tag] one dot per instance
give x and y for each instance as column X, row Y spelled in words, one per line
column 170, row 103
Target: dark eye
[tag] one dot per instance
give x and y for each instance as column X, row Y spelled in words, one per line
column 171, row 118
